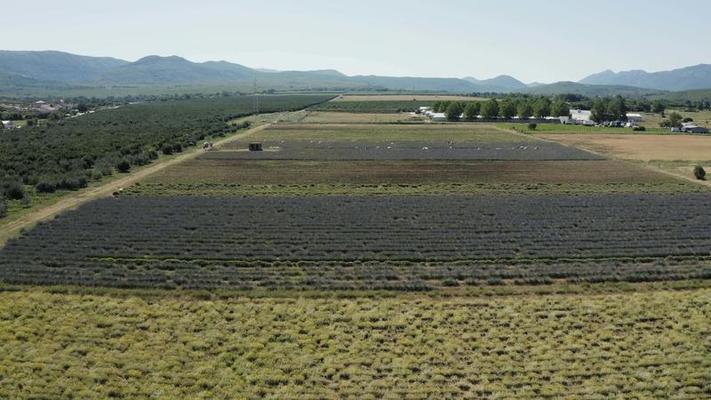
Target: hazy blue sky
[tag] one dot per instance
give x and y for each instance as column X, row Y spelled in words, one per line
column 539, row 40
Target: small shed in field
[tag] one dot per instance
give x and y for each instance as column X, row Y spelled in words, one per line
column 634, row 118
column 439, row 117
column 255, row 147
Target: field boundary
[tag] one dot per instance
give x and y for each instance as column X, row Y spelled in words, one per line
column 483, row 291
column 74, row 200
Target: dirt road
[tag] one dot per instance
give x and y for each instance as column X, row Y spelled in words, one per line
column 80, row 197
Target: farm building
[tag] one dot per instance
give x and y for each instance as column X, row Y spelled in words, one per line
column 8, row 125
column 634, row 118
column 43, row 107
column 581, row 117
column 439, row 117
column 690, row 127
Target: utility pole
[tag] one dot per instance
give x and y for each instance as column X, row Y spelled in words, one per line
column 256, row 96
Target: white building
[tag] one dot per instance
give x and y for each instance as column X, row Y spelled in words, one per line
column 634, row 118
column 581, row 117
column 439, row 117
column 8, row 125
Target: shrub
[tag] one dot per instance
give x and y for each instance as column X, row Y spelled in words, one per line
column 167, row 149
column 105, row 168
column 123, row 166
column 72, row 183
column 639, row 129
column 26, row 202
column 46, row 187
column 699, row 173
column 3, row 207
column 532, row 126
column 13, row 190
column 95, row 174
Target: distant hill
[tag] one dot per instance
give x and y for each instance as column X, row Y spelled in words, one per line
column 56, row 66
column 590, row 90
column 687, row 95
column 176, row 70
column 415, row 84
column 502, row 83
column 38, row 73
column 689, row 78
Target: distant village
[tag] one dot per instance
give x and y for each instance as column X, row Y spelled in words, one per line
column 576, row 117
column 19, row 115
column 15, row 116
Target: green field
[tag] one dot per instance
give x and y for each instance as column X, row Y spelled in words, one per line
column 579, row 129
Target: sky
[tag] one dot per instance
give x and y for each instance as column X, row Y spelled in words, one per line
column 532, row 40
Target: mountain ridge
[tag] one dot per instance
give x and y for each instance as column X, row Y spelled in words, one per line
column 55, row 69
column 694, row 77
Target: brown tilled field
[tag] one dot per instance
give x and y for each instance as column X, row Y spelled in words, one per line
column 250, row 172
column 641, row 147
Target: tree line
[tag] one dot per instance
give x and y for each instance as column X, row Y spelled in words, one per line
column 506, row 108
column 69, row 153
column 525, row 107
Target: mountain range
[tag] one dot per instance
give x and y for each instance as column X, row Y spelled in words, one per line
column 689, row 78
column 29, row 72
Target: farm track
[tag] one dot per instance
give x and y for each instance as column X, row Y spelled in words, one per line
column 73, row 200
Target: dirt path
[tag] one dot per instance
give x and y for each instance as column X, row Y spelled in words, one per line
column 73, row 200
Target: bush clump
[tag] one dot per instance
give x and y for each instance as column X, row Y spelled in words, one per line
column 123, row 166
column 13, row 190
column 46, row 187
column 699, row 173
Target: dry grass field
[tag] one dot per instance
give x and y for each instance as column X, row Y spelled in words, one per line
column 701, row 118
column 674, row 154
column 644, row 345
column 641, row 147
